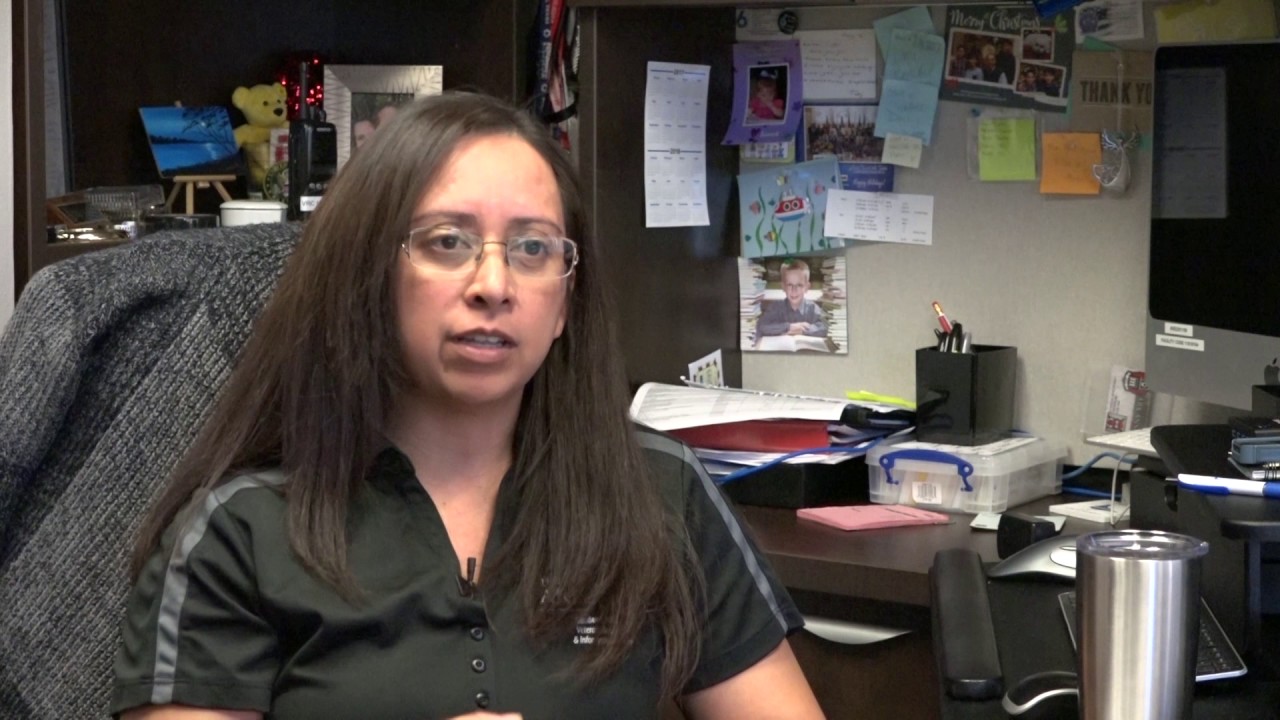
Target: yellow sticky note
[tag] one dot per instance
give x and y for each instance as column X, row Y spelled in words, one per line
column 1216, row 20
column 1007, row 149
column 1067, row 161
column 902, row 150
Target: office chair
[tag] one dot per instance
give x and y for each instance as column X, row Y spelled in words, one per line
column 108, row 366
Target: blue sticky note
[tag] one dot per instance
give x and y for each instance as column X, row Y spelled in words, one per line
column 917, row 19
column 915, row 57
column 907, row 108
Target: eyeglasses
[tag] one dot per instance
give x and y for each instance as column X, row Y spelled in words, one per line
column 448, row 250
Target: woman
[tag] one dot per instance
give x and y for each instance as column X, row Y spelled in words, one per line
column 455, row 514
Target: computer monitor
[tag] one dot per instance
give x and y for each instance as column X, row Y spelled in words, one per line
column 1213, row 299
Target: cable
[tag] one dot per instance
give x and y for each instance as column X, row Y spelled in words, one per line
column 1087, row 492
column 852, row 450
column 1085, row 467
column 1115, row 472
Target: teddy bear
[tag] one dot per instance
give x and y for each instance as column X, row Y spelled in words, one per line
column 264, row 109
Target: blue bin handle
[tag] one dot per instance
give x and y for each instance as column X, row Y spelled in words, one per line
column 964, row 467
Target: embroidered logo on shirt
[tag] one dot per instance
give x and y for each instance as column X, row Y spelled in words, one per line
column 586, row 632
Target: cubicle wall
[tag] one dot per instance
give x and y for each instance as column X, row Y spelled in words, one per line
column 1062, row 278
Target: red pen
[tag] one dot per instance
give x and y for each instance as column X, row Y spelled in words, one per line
column 942, row 317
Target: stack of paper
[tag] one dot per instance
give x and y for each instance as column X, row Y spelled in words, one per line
column 730, row 428
column 750, row 294
column 834, row 302
column 1098, row 510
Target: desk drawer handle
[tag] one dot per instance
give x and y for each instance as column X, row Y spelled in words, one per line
column 847, row 633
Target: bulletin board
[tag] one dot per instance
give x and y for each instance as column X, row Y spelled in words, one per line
column 1061, row 277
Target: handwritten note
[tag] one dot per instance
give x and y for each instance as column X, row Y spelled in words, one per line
column 912, row 72
column 880, row 217
column 675, row 144
column 916, row 19
column 1068, row 160
column 838, row 65
column 1006, row 149
column 902, row 150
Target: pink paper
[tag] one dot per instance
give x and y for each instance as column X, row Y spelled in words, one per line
column 869, row 517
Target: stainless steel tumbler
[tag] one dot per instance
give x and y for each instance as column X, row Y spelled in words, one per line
column 1138, row 614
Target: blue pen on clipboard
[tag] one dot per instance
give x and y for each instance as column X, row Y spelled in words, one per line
column 1229, row 486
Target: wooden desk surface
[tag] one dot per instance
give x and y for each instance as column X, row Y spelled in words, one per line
column 889, row 565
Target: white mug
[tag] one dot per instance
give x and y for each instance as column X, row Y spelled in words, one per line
column 249, row 212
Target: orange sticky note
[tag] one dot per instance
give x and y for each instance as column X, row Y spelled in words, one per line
column 1067, row 161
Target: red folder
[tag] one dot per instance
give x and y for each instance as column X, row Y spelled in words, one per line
column 758, row 435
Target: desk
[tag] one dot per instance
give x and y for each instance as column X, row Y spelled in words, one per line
column 1241, row 579
column 890, row 565
column 1025, row 610
column 878, row 577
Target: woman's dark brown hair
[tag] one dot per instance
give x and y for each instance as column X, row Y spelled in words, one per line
column 316, row 381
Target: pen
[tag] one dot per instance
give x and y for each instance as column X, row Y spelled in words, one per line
column 1229, row 486
column 955, row 339
column 942, row 317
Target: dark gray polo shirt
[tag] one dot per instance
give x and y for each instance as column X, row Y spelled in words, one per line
column 227, row 618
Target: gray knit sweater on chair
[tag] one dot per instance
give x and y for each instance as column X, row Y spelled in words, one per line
column 111, row 361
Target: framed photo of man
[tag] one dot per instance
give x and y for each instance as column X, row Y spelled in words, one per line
column 359, row 98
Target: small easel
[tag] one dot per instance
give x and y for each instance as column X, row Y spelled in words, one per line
column 197, row 181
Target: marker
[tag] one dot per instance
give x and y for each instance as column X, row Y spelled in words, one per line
column 942, row 317
column 1229, row 486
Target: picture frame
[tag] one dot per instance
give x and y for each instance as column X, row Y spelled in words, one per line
column 358, row 97
column 191, row 140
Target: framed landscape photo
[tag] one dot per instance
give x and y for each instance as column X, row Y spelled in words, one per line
column 360, row 98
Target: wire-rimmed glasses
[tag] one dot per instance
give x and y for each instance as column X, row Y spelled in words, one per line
column 449, row 250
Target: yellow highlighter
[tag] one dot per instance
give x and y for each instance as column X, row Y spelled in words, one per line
column 866, row 396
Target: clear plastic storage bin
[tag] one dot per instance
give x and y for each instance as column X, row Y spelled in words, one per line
column 971, row 479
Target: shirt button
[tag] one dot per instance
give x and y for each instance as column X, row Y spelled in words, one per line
column 482, row 699
column 477, row 633
column 477, row 664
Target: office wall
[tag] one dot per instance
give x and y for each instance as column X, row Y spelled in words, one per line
column 7, row 271
column 1062, row 278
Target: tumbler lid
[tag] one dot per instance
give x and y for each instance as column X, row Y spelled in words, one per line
column 1141, row 545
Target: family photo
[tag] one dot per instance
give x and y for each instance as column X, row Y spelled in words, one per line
column 845, row 132
column 1041, row 79
column 984, row 57
column 370, row 111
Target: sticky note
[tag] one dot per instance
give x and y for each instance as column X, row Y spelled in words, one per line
column 1006, row 149
column 902, row 150
column 909, row 94
column 916, row 19
column 1067, row 161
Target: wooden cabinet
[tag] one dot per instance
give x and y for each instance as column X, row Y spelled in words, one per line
column 119, row 55
column 676, row 287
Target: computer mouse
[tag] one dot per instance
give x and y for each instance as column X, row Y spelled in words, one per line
column 1053, row 558
column 1045, row 695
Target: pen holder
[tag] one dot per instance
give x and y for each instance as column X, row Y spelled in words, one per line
column 965, row 398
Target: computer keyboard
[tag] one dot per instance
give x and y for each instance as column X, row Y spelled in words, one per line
column 1129, row 442
column 1216, row 657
